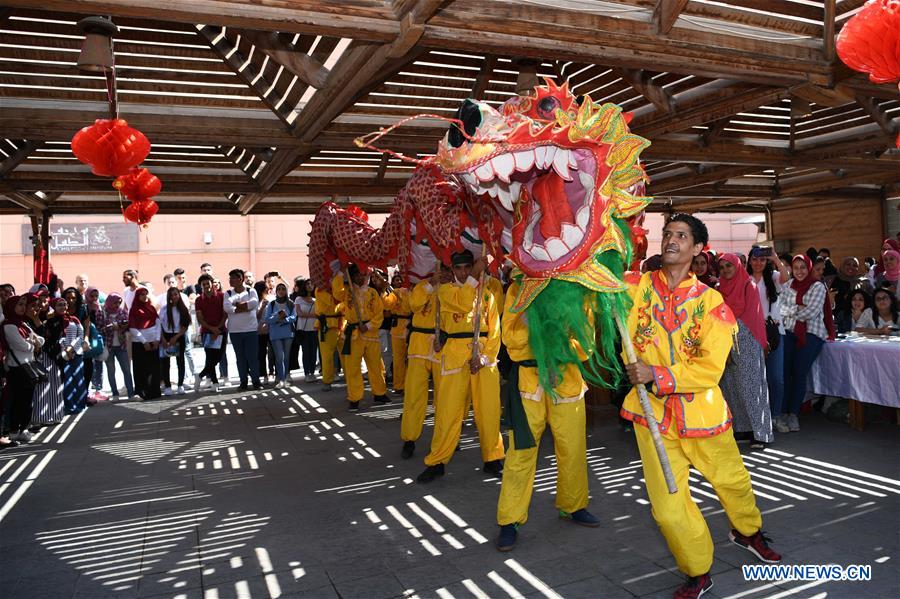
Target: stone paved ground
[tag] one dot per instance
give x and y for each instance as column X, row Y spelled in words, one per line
column 285, row 493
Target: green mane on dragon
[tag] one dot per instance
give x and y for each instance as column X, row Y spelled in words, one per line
column 550, row 181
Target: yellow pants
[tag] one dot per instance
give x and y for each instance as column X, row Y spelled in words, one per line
column 326, row 351
column 415, row 398
column 566, row 422
column 678, row 517
column 450, row 409
column 398, row 347
column 370, row 351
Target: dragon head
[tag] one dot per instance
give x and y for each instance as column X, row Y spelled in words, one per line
column 560, row 173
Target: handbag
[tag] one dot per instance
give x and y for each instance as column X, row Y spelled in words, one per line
column 35, row 371
column 95, row 339
column 773, row 335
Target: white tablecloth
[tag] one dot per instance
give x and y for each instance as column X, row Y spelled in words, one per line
column 861, row 368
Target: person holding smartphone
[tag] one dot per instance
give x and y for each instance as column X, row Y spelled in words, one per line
column 280, row 316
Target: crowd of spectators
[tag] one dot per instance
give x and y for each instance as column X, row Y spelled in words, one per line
column 57, row 341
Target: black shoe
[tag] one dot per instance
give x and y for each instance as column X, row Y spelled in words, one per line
column 430, row 473
column 409, row 447
column 354, row 406
column 582, row 517
column 494, row 468
column 381, row 399
column 257, row 387
column 506, row 540
column 243, row 387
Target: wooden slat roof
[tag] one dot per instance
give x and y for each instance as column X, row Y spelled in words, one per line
column 254, row 106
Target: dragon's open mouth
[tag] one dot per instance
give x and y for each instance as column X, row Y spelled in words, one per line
column 549, row 189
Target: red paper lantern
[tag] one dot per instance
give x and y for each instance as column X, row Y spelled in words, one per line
column 141, row 212
column 870, row 41
column 110, row 147
column 138, row 185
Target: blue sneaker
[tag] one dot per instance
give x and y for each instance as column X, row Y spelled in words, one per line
column 582, row 517
column 506, row 540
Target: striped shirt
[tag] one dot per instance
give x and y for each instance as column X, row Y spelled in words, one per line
column 812, row 312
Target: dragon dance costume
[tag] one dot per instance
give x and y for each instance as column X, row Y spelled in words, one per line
column 328, row 326
column 398, row 303
column 422, row 362
column 357, row 346
column 456, row 382
column 562, row 410
column 685, row 335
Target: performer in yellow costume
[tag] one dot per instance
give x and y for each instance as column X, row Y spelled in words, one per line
column 398, row 303
column 461, row 374
column 423, row 361
column 329, row 327
column 563, row 410
column 359, row 338
column 682, row 333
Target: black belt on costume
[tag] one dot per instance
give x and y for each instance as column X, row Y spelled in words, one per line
column 323, row 324
column 348, row 334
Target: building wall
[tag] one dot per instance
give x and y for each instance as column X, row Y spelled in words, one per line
column 257, row 243
column 854, row 228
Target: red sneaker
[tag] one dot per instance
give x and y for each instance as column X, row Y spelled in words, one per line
column 694, row 587
column 757, row 544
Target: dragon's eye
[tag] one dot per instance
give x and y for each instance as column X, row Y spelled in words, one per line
column 546, row 108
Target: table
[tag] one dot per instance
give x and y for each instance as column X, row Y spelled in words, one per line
column 861, row 369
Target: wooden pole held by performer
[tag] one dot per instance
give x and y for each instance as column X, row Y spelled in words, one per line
column 652, row 425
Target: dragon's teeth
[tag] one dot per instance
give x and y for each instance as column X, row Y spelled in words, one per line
column 524, row 160
column 556, row 248
column 484, row 172
column 503, row 166
column 561, row 164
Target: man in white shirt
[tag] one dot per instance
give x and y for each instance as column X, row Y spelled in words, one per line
column 240, row 304
column 129, row 279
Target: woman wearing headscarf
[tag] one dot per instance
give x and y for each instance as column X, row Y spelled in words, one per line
column 78, row 308
column 702, row 267
column 846, row 281
column 803, row 303
column 890, row 275
column 47, row 403
column 20, row 344
column 877, row 270
column 280, row 315
column 143, row 323
column 112, row 322
column 72, row 346
column 743, row 382
column 93, row 308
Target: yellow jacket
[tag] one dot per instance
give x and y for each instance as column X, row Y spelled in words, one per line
column 515, row 338
column 398, row 304
column 685, row 336
column 421, row 303
column 370, row 306
column 326, row 305
column 457, row 301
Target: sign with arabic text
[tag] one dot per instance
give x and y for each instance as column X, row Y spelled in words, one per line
column 86, row 238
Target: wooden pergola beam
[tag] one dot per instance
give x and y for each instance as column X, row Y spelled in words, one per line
column 832, row 181
column 674, row 184
column 665, row 13
column 828, row 41
column 305, row 67
column 642, row 82
column 878, row 115
column 25, row 149
column 482, row 80
column 724, row 103
column 245, row 68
